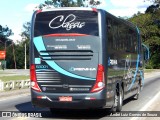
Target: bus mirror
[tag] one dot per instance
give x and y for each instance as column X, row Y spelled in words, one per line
column 146, row 52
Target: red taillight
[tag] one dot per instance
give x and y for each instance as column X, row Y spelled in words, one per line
column 100, row 83
column 33, row 78
column 32, row 72
column 38, row 11
column 94, row 9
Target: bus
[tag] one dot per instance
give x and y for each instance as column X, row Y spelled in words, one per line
column 84, row 58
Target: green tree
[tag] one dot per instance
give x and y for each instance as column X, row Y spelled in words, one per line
column 92, row 3
column 20, row 54
column 10, row 54
column 149, row 24
column 5, row 32
column 26, row 30
column 69, row 3
column 154, row 1
column 19, row 50
column 152, row 8
column 21, row 46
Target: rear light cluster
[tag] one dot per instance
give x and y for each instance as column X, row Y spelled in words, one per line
column 94, row 10
column 100, row 82
column 38, row 11
column 34, row 84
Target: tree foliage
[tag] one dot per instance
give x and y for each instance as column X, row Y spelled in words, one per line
column 154, row 1
column 26, row 30
column 149, row 24
column 69, row 3
column 18, row 50
column 5, row 32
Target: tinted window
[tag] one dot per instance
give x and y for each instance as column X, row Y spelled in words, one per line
column 53, row 22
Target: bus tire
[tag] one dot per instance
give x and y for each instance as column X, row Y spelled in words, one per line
column 136, row 97
column 119, row 100
column 117, row 107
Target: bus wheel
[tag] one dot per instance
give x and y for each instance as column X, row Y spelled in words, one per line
column 136, row 97
column 119, row 100
column 117, row 107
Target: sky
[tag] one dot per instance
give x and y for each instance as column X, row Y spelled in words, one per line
column 14, row 13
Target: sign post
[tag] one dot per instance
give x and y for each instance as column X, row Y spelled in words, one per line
column 2, row 58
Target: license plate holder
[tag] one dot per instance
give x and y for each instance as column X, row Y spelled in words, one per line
column 65, row 99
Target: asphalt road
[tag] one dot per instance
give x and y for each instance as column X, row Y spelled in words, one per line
column 22, row 104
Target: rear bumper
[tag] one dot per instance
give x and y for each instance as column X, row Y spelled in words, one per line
column 80, row 101
column 83, row 104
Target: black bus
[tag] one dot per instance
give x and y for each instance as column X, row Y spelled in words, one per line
column 84, row 58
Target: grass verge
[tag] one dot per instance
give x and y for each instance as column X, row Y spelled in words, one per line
column 151, row 70
column 15, row 77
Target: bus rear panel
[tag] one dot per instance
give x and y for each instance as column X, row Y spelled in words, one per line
column 66, row 68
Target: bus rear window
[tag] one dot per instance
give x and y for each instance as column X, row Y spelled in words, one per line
column 71, row 21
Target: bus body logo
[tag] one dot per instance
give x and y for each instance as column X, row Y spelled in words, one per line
column 82, row 69
column 42, row 66
column 68, row 22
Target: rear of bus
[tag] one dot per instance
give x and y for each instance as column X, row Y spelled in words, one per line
column 66, row 69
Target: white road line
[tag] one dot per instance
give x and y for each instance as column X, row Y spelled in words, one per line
column 145, row 108
column 150, row 102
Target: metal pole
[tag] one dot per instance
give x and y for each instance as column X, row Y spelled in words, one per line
column 5, row 48
column 5, row 53
column 14, row 55
column 25, row 57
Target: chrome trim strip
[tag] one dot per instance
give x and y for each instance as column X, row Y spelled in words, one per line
column 52, row 85
column 47, row 81
column 52, row 72
column 80, row 86
column 47, row 77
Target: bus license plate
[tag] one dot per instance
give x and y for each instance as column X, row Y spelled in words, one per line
column 65, row 99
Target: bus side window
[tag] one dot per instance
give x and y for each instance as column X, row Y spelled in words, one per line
column 146, row 52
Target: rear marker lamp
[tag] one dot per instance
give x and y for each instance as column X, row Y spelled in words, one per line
column 34, row 84
column 41, row 97
column 90, row 98
column 100, row 83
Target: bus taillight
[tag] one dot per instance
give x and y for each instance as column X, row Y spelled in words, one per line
column 100, row 82
column 33, row 78
column 94, row 9
column 38, row 11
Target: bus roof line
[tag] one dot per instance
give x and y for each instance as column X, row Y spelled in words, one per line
column 67, row 8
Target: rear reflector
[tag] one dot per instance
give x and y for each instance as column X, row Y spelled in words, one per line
column 41, row 97
column 100, row 83
column 34, row 84
column 90, row 98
